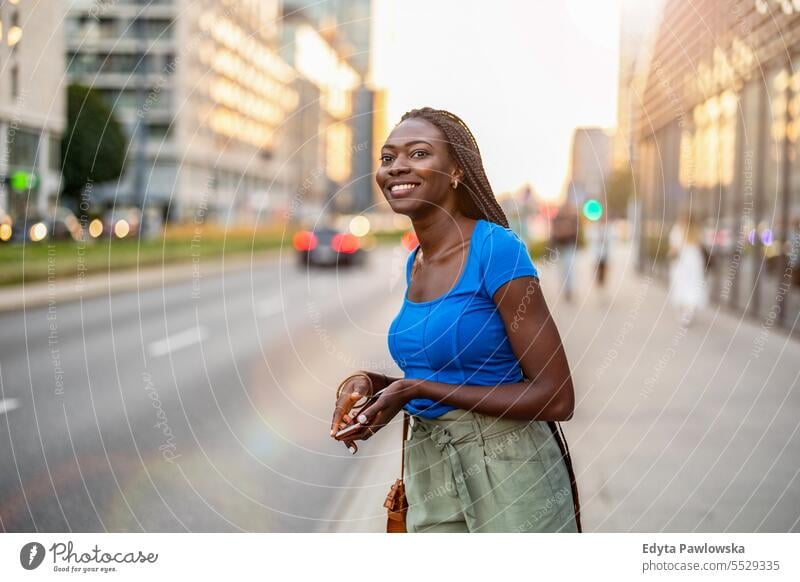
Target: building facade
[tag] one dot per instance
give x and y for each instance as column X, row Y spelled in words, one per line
column 717, row 137
column 32, row 106
column 346, row 27
column 638, row 23
column 204, row 95
column 323, row 145
column 590, row 163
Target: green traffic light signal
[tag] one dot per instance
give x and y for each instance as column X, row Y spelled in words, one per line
column 21, row 181
column 592, row 209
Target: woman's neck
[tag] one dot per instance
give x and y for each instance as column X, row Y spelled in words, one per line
column 441, row 233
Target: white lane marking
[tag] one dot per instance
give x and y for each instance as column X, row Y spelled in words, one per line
column 8, row 405
column 270, row 307
column 178, row 341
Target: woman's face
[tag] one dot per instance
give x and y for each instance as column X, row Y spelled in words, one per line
column 416, row 170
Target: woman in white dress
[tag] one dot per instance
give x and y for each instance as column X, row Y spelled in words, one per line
column 688, row 292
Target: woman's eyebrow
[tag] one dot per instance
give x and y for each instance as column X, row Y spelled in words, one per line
column 407, row 144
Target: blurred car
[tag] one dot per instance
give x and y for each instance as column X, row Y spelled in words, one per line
column 327, row 246
column 61, row 224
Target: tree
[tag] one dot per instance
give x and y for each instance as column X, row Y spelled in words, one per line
column 618, row 191
column 93, row 146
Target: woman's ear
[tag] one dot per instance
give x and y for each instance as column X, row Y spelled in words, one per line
column 458, row 174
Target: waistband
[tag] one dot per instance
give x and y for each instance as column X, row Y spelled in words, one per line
column 464, row 426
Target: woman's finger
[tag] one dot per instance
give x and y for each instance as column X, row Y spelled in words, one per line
column 370, row 414
column 342, row 408
column 369, row 429
column 362, row 434
column 338, row 413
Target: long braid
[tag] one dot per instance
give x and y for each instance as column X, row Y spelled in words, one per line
column 476, row 196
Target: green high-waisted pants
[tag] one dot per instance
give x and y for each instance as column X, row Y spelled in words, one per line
column 467, row 472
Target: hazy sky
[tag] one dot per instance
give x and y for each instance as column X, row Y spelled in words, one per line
column 522, row 75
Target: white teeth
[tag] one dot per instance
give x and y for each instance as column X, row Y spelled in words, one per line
column 402, row 187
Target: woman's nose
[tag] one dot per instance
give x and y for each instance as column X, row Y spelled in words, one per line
column 398, row 169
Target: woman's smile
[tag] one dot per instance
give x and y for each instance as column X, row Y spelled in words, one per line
column 401, row 189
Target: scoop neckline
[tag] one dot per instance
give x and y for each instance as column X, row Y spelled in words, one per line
column 460, row 277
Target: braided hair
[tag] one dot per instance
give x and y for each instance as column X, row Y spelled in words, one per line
column 474, row 193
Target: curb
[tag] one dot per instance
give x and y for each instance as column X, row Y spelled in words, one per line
column 42, row 293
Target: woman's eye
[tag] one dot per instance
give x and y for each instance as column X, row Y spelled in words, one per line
column 421, row 153
column 386, row 159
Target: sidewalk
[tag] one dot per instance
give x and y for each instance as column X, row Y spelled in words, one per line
column 61, row 290
column 675, row 429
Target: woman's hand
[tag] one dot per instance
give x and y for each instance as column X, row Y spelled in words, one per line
column 384, row 409
column 353, row 390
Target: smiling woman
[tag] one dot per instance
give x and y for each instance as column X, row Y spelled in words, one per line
column 484, row 385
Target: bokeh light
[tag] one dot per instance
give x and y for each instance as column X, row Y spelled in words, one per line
column 359, row 225
column 592, row 209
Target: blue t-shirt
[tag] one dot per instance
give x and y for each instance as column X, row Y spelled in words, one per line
column 459, row 338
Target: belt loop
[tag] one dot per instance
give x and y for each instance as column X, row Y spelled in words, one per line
column 478, row 429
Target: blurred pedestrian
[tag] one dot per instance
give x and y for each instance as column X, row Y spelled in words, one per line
column 688, row 291
column 564, row 238
column 599, row 239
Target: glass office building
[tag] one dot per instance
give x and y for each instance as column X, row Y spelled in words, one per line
column 717, row 136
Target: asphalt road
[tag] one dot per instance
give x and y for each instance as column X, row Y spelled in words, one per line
column 200, row 406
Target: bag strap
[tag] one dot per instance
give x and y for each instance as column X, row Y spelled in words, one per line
column 564, row 447
column 403, row 449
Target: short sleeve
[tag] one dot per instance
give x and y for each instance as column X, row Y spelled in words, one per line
column 504, row 257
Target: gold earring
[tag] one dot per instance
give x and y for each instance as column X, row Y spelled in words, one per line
column 454, row 184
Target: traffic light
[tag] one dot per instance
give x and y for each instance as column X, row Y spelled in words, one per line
column 592, row 209
column 21, row 181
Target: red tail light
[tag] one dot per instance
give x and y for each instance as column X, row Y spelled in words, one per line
column 345, row 243
column 304, row 240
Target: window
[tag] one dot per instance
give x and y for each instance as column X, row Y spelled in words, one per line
column 151, row 28
column 107, row 27
column 159, row 132
column 22, row 146
column 128, row 99
column 750, row 164
column 777, row 82
column 158, row 28
column 81, row 63
column 118, row 63
column 54, row 147
column 169, row 64
column 793, row 134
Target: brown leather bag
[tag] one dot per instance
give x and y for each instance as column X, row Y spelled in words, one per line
column 396, row 502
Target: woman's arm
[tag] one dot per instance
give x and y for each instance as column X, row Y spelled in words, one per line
column 546, row 393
